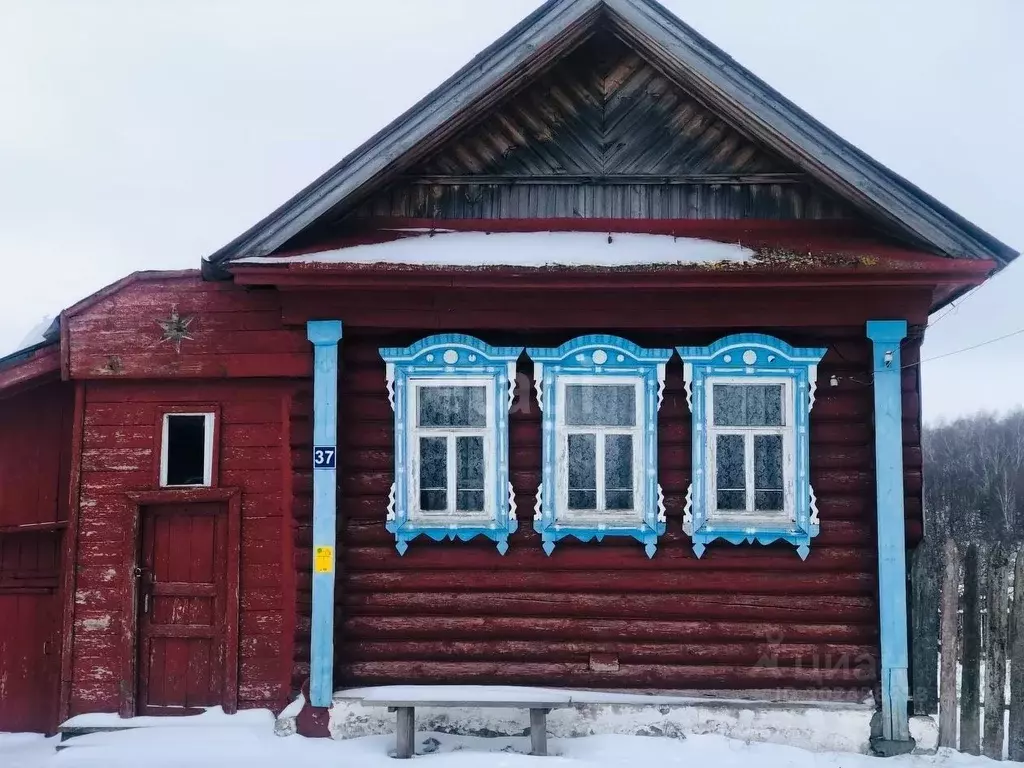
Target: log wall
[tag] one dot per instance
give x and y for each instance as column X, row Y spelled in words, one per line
column 594, row 614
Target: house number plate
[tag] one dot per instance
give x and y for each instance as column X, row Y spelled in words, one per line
column 325, row 457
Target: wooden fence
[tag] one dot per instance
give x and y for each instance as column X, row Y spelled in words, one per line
column 966, row 619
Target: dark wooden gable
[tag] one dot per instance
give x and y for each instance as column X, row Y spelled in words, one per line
column 602, row 134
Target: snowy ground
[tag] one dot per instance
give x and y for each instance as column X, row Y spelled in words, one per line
column 252, row 743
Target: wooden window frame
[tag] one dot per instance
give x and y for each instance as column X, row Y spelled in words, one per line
column 787, row 430
column 599, row 359
column 489, row 432
column 601, row 514
column 133, row 552
column 451, row 360
column 211, row 467
column 740, row 359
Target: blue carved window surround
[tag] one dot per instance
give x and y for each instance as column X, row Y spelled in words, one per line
column 751, row 396
column 600, row 397
column 451, row 395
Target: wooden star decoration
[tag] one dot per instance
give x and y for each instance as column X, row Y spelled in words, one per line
column 175, row 328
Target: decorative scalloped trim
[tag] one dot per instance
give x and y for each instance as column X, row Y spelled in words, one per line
column 687, row 511
column 814, row 506
column 661, row 505
column 661, row 385
column 391, row 503
column 812, row 386
column 617, row 343
column 809, row 355
column 512, row 504
column 414, row 351
column 538, row 384
column 688, row 383
column 389, row 375
column 511, row 372
column 538, row 513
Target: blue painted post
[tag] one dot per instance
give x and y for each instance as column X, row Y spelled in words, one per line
column 886, row 336
column 325, row 335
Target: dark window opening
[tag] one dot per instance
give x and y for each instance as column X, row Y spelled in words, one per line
column 186, row 450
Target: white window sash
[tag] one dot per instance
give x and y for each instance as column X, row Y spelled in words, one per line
column 415, row 432
column 208, row 422
column 751, row 515
column 602, row 513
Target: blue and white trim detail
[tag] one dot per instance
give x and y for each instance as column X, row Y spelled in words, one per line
column 451, row 360
column 752, row 359
column 592, row 362
column 324, row 335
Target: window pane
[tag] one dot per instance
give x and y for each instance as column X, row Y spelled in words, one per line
column 433, row 474
column 452, row 406
column 769, row 501
column 732, row 501
column 764, row 406
column 748, row 405
column 618, row 471
column 768, row 472
column 730, row 472
column 729, row 406
column 582, row 451
column 186, row 450
column 469, row 461
column 600, row 405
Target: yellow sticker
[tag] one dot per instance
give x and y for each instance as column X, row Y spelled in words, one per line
column 323, row 560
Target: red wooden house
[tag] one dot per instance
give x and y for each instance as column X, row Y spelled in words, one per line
column 595, row 369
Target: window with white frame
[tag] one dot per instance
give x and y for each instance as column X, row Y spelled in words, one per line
column 750, row 446
column 600, row 397
column 453, row 438
column 451, row 395
column 601, row 435
column 186, row 450
column 751, row 396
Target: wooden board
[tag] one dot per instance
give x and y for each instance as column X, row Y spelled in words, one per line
column 30, row 617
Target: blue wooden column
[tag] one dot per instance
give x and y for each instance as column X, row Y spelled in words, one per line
column 886, row 336
column 325, row 335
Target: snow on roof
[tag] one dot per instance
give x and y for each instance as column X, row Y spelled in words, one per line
column 41, row 333
column 527, row 249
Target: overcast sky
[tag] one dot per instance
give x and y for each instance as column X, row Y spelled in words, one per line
column 145, row 134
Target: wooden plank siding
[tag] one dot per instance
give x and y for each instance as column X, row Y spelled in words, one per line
column 603, row 134
column 35, row 446
column 120, row 452
column 741, row 617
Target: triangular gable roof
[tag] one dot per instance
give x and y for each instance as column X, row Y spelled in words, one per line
column 683, row 54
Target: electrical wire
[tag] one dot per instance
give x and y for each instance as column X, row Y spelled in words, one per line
column 968, row 349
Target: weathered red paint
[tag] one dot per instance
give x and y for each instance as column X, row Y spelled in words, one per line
column 459, row 612
column 35, row 443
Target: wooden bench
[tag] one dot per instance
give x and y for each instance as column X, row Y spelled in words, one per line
column 404, row 699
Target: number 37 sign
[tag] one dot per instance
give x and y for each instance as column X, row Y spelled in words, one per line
column 325, row 457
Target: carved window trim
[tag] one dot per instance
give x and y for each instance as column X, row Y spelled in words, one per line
column 456, row 360
column 599, row 359
column 752, row 359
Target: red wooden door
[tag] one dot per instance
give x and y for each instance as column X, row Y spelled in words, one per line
column 29, row 630
column 182, row 608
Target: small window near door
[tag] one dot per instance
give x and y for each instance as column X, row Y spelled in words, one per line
column 186, row 458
